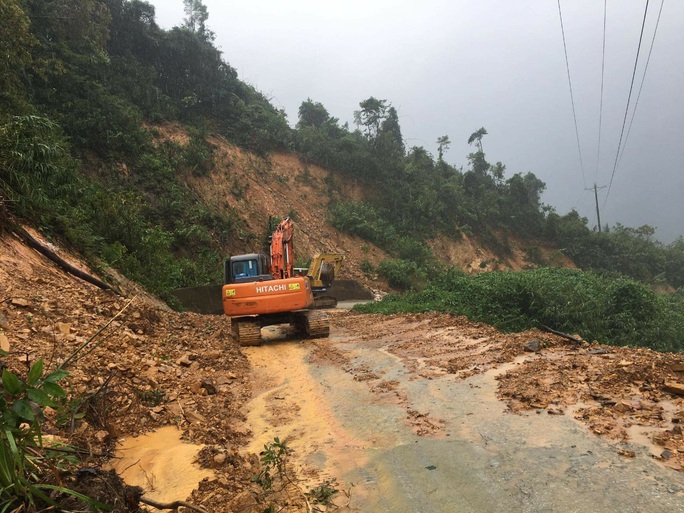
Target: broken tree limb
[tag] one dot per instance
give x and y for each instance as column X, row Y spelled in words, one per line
column 561, row 334
column 73, row 355
column 32, row 242
column 171, row 505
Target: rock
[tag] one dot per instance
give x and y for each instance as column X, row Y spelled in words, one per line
column 194, row 416
column 4, row 323
column 533, row 346
column 64, row 328
column 677, row 430
column 209, row 386
column 598, row 351
column 220, row 458
column 184, row 360
column 213, row 354
column 666, row 454
column 627, row 453
column 20, row 302
column 4, row 343
column 674, row 388
column 101, row 436
column 623, row 407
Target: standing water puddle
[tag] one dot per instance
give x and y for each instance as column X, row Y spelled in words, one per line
column 161, row 463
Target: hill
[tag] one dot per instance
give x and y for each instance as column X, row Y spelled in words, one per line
column 143, row 150
column 254, row 189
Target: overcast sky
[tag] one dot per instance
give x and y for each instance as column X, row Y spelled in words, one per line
column 453, row 66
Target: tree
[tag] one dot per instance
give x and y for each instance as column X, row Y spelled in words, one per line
column 476, row 137
column 443, row 144
column 371, row 115
column 197, row 16
column 16, row 44
column 81, row 25
column 390, row 142
column 312, row 114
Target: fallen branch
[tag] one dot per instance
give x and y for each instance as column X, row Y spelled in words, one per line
column 75, row 353
column 43, row 250
column 576, row 340
column 171, row 505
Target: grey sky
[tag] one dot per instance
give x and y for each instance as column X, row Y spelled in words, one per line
column 453, row 66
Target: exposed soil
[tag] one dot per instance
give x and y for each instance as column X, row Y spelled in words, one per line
column 250, row 189
column 138, row 366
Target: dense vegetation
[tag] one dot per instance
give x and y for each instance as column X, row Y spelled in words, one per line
column 417, row 197
column 84, row 80
column 80, row 80
column 611, row 309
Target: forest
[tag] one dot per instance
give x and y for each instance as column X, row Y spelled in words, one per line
column 86, row 81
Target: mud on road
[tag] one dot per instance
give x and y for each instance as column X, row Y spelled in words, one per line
column 433, row 413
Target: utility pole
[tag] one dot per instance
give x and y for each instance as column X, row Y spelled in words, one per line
column 595, row 188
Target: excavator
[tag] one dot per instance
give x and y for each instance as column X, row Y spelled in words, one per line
column 260, row 291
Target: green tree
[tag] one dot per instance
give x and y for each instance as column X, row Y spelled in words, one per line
column 390, row 142
column 443, row 144
column 476, row 137
column 196, row 17
column 16, row 46
column 371, row 115
column 312, row 114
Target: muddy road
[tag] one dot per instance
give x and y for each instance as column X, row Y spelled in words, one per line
column 404, row 413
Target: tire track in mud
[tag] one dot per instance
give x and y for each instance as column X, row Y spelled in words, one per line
column 352, row 409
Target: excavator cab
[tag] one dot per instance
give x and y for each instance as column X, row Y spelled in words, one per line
column 246, row 268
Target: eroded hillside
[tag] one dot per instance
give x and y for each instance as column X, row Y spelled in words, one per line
column 252, row 188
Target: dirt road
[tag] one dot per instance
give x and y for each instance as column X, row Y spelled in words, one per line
column 387, row 406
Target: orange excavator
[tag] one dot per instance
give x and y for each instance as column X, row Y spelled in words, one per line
column 258, row 292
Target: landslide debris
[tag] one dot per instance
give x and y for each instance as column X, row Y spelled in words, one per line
column 133, row 367
column 621, row 393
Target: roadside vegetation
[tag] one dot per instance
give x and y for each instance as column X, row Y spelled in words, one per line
column 609, row 308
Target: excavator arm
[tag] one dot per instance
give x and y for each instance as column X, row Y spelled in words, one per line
column 324, row 268
column 322, row 272
column 282, row 254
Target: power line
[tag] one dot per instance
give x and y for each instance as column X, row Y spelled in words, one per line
column 643, row 79
column 603, row 69
column 572, row 97
column 629, row 98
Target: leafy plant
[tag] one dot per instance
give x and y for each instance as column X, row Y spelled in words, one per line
column 324, row 492
column 273, row 460
column 23, row 458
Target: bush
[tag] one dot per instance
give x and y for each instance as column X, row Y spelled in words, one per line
column 400, row 274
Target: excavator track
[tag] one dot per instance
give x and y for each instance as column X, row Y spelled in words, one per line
column 246, row 332
column 316, row 323
column 321, row 302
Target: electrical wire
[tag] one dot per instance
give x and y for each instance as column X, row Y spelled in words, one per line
column 603, row 69
column 629, row 98
column 572, row 97
column 643, row 78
